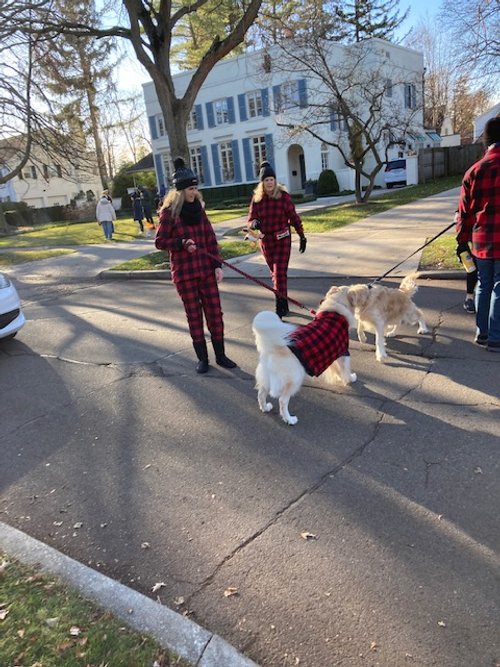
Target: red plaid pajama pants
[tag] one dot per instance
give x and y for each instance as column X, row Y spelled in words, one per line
column 277, row 256
column 201, row 295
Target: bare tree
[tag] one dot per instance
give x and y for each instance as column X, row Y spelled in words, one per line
column 350, row 102
column 151, row 31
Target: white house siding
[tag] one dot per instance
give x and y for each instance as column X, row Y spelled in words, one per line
column 228, row 94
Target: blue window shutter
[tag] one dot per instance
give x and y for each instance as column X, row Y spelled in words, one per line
column 333, row 120
column 265, row 102
column 216, row 163
column 159, row 171
column 247, row 156
column 210, row 114
column 236, row 161
column 302, row 93
column 269, row 149
column 199, row 116
column 206, row 166
column 242, row 106
column 231, row 116
column 277, row 98
column 152, row 127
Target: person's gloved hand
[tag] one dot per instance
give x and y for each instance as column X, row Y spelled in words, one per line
column 303, row 243
column 462, row 247
column 255, row 224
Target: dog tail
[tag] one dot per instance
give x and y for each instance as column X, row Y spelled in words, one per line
column 268, row 325
column 409, row 284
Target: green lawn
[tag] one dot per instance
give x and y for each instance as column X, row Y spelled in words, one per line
column 440, row 254
column 46, row 623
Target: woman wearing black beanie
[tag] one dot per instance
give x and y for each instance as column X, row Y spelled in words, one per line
column 187, row 235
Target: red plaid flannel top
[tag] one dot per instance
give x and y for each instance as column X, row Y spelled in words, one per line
column 479, row 206
column 276, row 214
column 317, row 344
column 183, row 264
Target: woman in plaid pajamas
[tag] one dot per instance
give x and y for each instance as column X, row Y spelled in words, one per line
column 186, row 233
column 272, row 212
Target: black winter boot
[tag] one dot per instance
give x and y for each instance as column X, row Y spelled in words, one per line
column 220, row 355
column 202, row 354
column 282, row 309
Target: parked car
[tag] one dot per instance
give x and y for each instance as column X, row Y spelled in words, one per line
column 11, row 315
column 395, row 173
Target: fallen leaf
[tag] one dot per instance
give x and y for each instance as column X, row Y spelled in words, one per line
column 308, row 536
column 3, row 614
column 441, row 624
column 373, row 646
column 21, row 632
column 157, row 586
column 78, row 524
column 230, row 591
column 103, row 525
column 3, row 566
column 74, row 631
column 52, row 622
column 178, row 601
column 145, row 545
column 57, row 523
column 478, row 471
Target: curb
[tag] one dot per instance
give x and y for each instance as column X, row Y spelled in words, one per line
column 171, row 630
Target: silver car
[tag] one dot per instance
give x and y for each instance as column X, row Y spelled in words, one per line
column 11, row 315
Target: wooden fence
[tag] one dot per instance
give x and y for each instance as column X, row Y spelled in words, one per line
column 449, row 161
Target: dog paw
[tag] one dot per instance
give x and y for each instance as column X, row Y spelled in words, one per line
column 267, row 407
column 291, row 420
column 381, row 357
column 353, row 377
column 422, row 330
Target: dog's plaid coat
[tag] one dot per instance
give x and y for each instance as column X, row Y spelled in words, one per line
column 318, row 344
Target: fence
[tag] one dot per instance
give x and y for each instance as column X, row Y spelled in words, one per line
column 448, row 161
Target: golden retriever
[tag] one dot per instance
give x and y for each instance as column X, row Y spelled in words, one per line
column 381, row 310
column 283, row 363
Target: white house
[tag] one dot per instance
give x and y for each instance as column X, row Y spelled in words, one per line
column 234, row 123
column 48, row 181
column 481, row 121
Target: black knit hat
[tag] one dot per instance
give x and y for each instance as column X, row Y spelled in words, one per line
column 492, row 131
column 266, row 171
column 184, row 177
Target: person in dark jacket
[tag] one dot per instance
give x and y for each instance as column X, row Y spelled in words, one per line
column 478, row 222
column 138, row 210
column 185, row 232
column 272, row 212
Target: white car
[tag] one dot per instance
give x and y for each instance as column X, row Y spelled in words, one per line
column 11, row 316
column 395, row 173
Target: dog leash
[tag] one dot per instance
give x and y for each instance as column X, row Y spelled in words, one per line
column 258, row 282
column 413, row 253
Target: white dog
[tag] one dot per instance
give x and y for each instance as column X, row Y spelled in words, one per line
column 287, row 352
column 380, row 310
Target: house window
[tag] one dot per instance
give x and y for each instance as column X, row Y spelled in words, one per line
column 167, row 167
column 192, row 123
column 410, row 96
column 221, row 112
column 28, row 172
column 197, row 163
column 254, row 103
column 160, row 124
column 325, row 161
column 338, row 123
column 226, row 161
column 51, row 171
column 290, row 95
column 259, row 153
column 388, row 88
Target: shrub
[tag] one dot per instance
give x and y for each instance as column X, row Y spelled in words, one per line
column 327, row 183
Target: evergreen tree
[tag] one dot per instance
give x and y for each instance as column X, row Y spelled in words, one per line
column 361, row 19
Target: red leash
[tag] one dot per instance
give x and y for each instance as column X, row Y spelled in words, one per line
column 258, row 282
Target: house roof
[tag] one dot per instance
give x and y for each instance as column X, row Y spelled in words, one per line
column 144, row 164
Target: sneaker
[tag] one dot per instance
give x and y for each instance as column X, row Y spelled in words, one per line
column 494, row 346
column 481, row 339
column 469, row 306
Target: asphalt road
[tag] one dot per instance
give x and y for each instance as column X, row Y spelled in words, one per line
column 366, row 535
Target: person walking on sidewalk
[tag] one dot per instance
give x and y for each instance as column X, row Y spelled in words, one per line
column 105, row 214
column 138, row 210
column 272, row 212
column 185, row 232
column 479, row 222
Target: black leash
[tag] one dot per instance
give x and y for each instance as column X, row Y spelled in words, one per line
column 413, row 253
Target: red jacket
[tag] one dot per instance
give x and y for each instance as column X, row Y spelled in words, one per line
column 183, row 264
column 276, row 215
column 479, row 206
column 318, row 344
